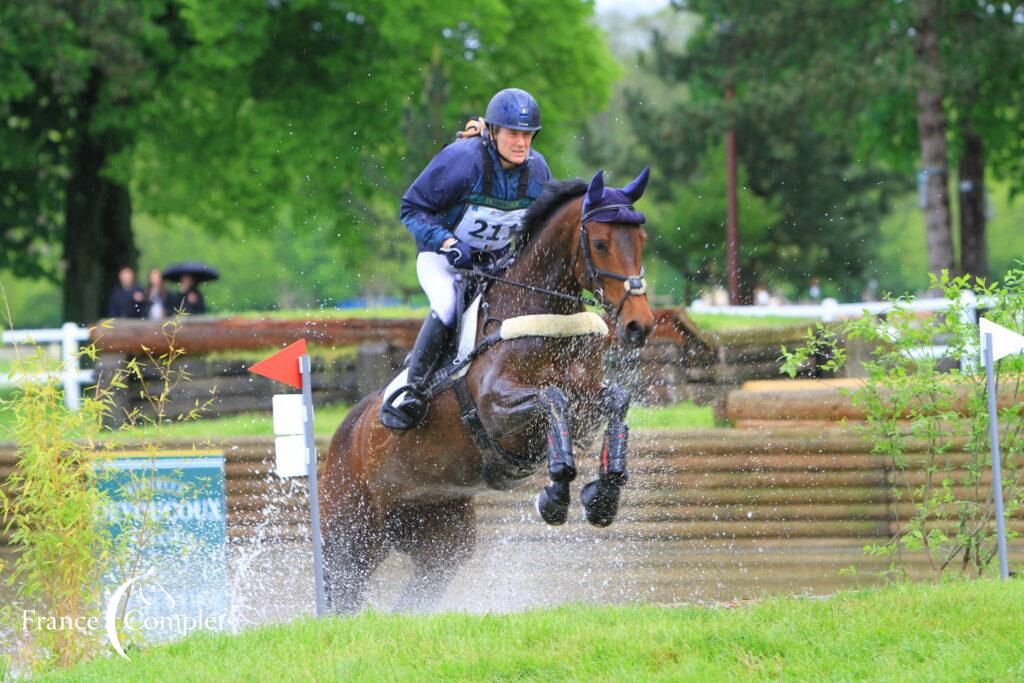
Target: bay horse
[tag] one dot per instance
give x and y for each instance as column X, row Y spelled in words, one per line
column 530, row 398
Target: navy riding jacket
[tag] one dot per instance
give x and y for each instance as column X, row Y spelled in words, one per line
column 434, row 203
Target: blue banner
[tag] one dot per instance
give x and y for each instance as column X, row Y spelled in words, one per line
column 167, row 516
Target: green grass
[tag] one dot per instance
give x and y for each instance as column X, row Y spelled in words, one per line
column 327, row 419
column 717, row 322
column 951, row 632
column 709, row 321
column 683, row 415
column 676, row 416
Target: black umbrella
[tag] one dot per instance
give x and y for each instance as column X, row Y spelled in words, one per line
column 199, row 271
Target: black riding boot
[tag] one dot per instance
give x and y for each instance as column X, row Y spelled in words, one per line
column 412, row 408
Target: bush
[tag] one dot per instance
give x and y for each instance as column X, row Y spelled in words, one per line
column 907, row 396
column 56, row 507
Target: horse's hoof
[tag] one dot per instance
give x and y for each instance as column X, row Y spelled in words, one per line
column 600, row 502
column 553, row 505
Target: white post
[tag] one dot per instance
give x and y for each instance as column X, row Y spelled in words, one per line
column 70, row 368
column 829, row 310
column 969, row 317
column 993, row 435
column 314, row 493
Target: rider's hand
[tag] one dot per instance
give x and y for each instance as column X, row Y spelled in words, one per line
column 459, row 255
column 474, row 127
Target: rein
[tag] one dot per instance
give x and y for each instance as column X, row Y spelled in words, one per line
column 635, row 285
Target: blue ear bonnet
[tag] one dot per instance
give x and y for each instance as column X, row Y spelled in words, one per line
column 614, row 205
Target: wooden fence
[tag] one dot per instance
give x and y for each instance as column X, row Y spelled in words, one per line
column 707, row 515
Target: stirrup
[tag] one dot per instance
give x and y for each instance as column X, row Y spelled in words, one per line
column 393, row 417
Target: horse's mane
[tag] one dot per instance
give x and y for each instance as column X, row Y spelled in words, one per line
column 554, row 196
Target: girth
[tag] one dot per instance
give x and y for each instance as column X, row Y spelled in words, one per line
column 501, row 471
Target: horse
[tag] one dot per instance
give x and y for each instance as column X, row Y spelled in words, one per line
column 523, row 400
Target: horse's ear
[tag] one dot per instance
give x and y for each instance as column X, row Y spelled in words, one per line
column 596, row 189
column 635, row 190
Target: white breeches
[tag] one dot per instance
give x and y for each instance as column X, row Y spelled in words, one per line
column 437, row 278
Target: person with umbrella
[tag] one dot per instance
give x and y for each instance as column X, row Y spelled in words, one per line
column 188, row 276
column 158, row 298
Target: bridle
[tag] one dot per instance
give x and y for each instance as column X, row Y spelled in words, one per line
column 635, row 285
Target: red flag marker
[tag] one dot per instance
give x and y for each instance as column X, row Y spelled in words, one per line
column 283, row 366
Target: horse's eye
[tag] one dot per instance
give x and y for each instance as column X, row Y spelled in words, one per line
column 601, row 246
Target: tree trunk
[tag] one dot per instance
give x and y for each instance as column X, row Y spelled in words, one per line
column 973, row 251
column 97, row 226
column 931, row 127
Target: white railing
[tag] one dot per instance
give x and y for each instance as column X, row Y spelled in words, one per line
column 830, row 310
column 71, row 374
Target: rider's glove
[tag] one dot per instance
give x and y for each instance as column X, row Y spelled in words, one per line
column 474, row 127
column 459, row 254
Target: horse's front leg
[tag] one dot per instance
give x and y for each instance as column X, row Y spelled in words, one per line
column 600, row 497
column 553, row 500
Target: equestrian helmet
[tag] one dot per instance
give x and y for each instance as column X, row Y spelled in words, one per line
column 513, row 108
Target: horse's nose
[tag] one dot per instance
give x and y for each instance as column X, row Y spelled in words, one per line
column 635, row 334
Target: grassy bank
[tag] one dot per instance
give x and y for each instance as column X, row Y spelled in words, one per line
column 728, row 322
column 328, row 417
column 958, row 631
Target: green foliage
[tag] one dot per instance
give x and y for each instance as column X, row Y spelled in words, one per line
column 299, row 123
column 57, row 508
column 33, row 303
column 809, row 207
column 71, row 72
column 906, row 398
column 899, row 264
column 828, row 93
column 52, row 508
column 687, row 222
column 319, row 115
column 905, row 632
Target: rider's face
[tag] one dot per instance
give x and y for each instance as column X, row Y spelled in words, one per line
column 514, row 145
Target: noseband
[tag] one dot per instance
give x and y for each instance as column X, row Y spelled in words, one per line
column 635, row 285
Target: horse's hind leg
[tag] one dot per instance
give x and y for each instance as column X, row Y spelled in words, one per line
column 438, row 538
column 600, row 497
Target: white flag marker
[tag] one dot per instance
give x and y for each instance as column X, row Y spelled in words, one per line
column 290, row 456
column 997, row 342
column 1004, row 341
column 296, row 447
column 289, row 414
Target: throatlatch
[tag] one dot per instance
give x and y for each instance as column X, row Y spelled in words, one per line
column 600, row 498
column 553, row 500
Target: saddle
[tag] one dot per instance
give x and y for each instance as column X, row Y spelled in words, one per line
column 461, row 347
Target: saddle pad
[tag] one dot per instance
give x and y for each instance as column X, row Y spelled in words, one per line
column 467, row 342
column 550, row 325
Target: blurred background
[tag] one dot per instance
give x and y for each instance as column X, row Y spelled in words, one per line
column 873, row 142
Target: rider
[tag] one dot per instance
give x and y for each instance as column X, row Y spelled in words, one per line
column 470, row 198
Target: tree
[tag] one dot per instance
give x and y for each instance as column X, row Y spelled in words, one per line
column 311, row 112
column 73, row 74
column 814, row 205
column 903, row 83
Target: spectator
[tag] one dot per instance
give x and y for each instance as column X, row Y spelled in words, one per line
column 158, row 298
column 127, row 300
column 190, row 299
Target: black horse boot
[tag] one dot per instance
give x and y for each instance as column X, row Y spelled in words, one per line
column 410, row 411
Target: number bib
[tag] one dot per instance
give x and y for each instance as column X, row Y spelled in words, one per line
column 487, row 227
